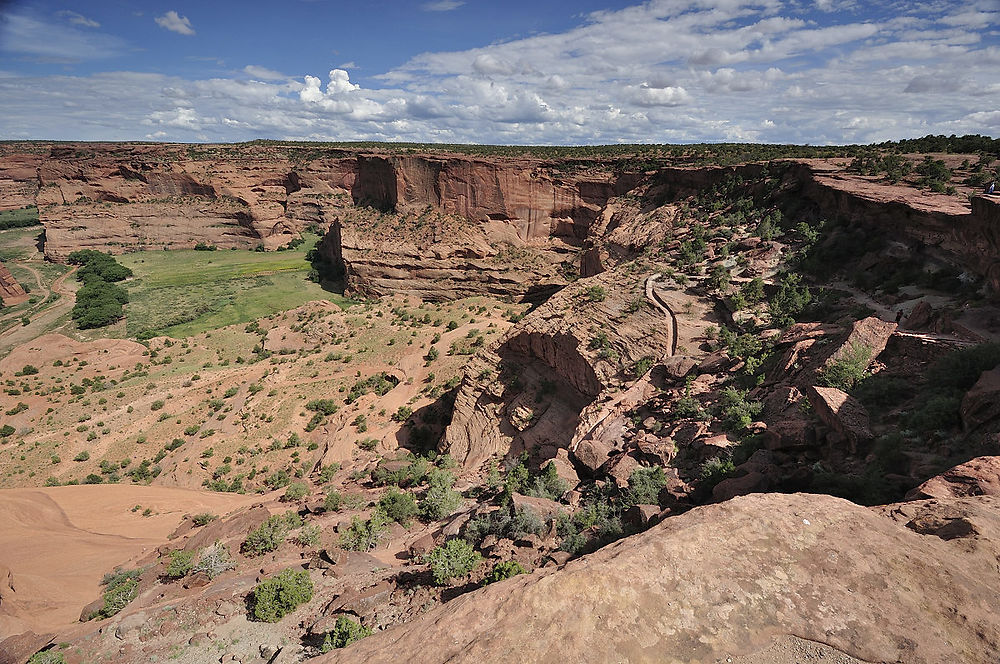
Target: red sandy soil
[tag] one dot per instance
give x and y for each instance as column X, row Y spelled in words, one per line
column 58, row 542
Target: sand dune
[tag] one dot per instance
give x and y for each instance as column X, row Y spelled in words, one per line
column 57, row 543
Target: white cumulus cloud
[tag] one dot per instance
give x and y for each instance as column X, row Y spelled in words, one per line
column 174, row 22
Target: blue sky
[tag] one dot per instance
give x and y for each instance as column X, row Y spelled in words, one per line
column 804, row 71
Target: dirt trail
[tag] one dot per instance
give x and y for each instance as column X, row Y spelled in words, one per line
column 41, row 322
column 659, row 303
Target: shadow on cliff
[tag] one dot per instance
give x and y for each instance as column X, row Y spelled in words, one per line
column 423, row 429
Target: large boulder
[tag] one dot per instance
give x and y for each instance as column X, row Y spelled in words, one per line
column 17, row 649
column 842, row 413
column 726, row 580
column 978, row 477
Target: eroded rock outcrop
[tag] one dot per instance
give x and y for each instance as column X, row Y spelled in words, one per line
column 527, row 392
column 727, row 580
column 11, row 292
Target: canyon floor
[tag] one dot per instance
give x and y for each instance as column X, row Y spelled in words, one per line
column 495, row 407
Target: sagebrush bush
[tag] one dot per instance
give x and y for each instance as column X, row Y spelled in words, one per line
column 214, row 560
column 180, row 564
column 547, row 484
column 364, row 535
column 415, row 472
column 267, row 537
column 644, row 485
column 737, row 411
column 295, row 491
column 398, row 505
column 50, row 656
column 278, row 596
column 344, row 633
column 848, row 370
column 504, row 569
column 440, row 500
column 505, row 522
column 454, row 559
column 961, row 369
column 203, row 519
column 121, row 587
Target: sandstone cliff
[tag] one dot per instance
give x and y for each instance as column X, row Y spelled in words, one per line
column 527, row 392
column 578, row 214
column 11, row 292
column 729, row 579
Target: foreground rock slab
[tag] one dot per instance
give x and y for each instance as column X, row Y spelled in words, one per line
column 730, row 580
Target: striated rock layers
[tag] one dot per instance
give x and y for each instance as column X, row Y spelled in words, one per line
column 526, row 393
column 900, row 583
column 11, row 292
column 574, row 216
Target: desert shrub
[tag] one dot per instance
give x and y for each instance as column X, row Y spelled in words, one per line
column 937, row 412
column 333, row 501
column 411, row 474
column 323, row 406
column 380, row 384
column 82, row 456
column 121, row 587
column 505, row 522
column 440, row 500
column 881, row 390
column 344, row 633
column 791, row 298
column 364, row 535
column 596, row 523
column 180, row 564
column 214, row 560
column 50, row 656
column 295, row 491
column 278, row 596
column 308, row 536
column 267, row 537
column 454, row 559
column 961, row 369
column 596, row 294
column 644, row 485
column 503, row 570
column 277, row 479
column 736, row 410
column 848, row 370
column 398, row 505
column 327, row 472
column 7, row 430
column 715, row 470
column 204, row 518
column 547, row 484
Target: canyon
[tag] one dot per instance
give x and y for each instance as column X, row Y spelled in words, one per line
column 715, row 412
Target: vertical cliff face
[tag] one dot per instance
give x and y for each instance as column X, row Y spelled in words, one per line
column 940, row 226
column 568, row 217
column 19, row 180
column 376, row 184
column 980, row 235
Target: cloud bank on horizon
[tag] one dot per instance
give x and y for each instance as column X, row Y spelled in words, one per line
column 777, row 71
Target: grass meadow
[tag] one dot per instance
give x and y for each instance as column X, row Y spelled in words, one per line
column 182, row 293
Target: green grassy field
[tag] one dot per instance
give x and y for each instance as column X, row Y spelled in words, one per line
column 19, row 218
column 181, row 293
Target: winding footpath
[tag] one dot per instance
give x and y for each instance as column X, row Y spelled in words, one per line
column 658, row 302
column 42, row 317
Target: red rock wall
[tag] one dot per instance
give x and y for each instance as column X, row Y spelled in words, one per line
column 10, row 291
